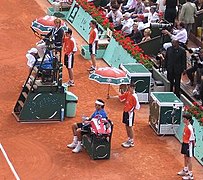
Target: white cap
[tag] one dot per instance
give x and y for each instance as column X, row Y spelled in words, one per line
column 33, row 50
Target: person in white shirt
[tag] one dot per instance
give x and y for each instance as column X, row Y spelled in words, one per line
column 179, row 34
column 130, row 6
column 116, row 17
column 127, row 24
column 160, row 6
column 153, row 15
column 32, row 56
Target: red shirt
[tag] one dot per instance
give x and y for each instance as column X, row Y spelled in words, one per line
column 130, row 101
column 68, row 45
column 92, row 36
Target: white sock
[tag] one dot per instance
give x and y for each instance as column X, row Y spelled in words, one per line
column 185, row 168
column 79, row 143
column 131, row 140
column 75, row 139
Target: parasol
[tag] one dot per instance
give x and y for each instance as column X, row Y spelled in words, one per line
column 44, row 24
column 110, row 75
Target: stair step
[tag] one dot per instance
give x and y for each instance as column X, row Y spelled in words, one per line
column 32, row 78
column 24, row 94
column 28, row 86
column 20, row 103
column 35, row 69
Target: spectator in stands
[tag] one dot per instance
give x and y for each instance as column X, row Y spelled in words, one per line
column 79, row 128
column 130, row 6
column 147, row 35
column 199, row 74
column 139, row 9
column 115, row 16
column 127, row 24
column 113, row 4
column 93, row 43
column 136, row 34
column 175, row 64
column 59, row 4
column 197, row 64
column 199, row 4
column 179, row 34
column 187, row 15
column 153, row 16
column 69, row 50
column 160, row 6
column 171, row 12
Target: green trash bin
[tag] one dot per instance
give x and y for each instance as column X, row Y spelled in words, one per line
column 71, row 102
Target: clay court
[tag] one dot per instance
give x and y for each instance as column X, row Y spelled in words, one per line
column 38, row 150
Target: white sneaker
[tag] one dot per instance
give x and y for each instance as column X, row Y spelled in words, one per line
column 128, row 144
column 72, row 145
column 77, row 149
column 195, row 92
column 188, row 177
column 70, row 83
column 182, row 173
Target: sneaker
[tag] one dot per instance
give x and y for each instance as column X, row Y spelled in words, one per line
column 91, row 69
column 72, row 145
column 188, row 177
column 70, row 83
column 77, row 149
column 128, row 144
column 189, row 83
column 182, row 173
column 195, row 92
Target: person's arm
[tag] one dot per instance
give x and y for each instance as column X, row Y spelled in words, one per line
column 122, row 97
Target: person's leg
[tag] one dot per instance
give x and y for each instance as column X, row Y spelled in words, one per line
column 93, row 58
column 170, row 77
column 177, row 84
column 130, row 133
column 70, row 74
column 75, row 126
column 70, row 69
column 190, row 73
column 93, row 55
column 78, row 147
column 129, row 117
column 184, row 151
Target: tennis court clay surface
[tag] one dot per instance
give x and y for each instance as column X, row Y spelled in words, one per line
column 38, row 151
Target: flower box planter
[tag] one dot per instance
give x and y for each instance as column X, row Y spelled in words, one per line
column 85, row 52
column 199, row 141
